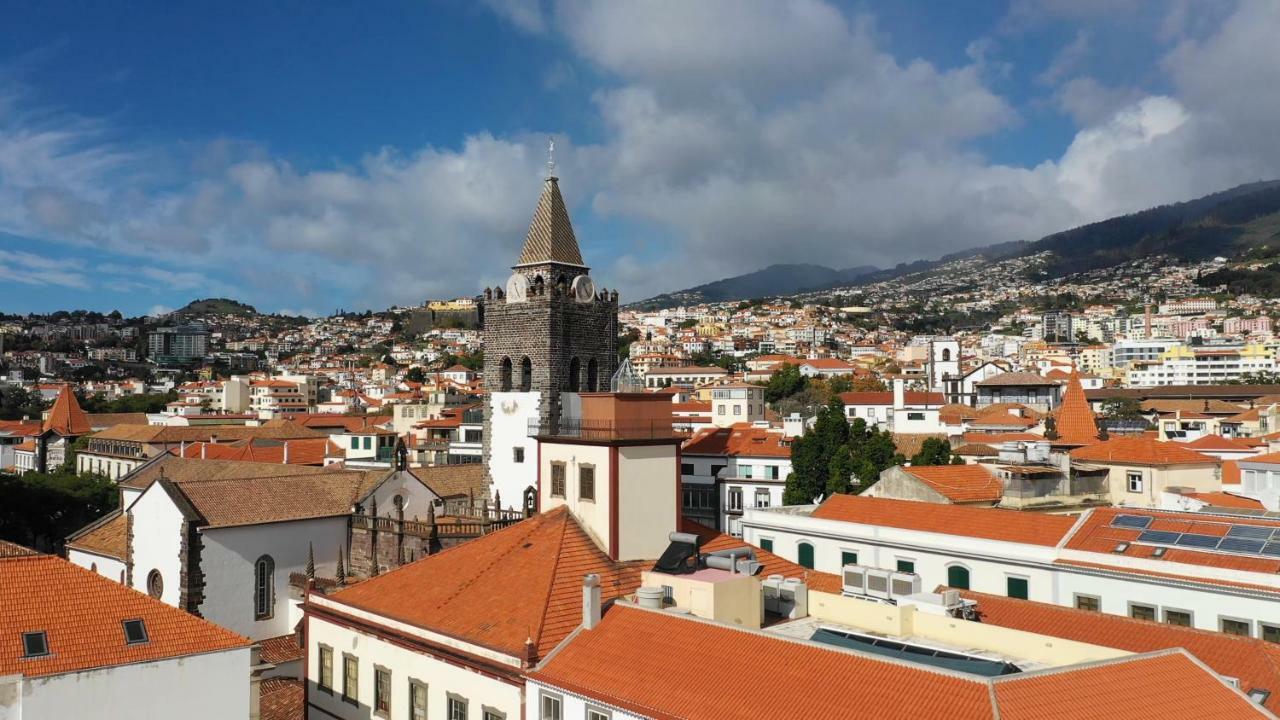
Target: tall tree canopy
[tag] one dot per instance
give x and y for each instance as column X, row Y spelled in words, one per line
column 833, row 455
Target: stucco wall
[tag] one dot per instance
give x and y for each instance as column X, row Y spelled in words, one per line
column 509, row 416
column 228, row 563
column 593, row 514
column 571, row 705
column 199, row 687
column 157, row 534
column 107, row 567
column 441, row 678
column 1203, row 478
column 649, row 500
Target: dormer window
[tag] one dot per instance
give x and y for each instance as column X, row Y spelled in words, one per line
column 35, row 644
column 135, row 632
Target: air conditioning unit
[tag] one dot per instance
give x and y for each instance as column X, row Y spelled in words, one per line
column 798, row 594
column 950, row 598
column 855, row 580
column 901, row 584
column 770, row 587
column 878, row 583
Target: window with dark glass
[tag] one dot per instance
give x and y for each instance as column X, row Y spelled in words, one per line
column 1236, row 627
column 155, row 584
column 517, row 454
column 35, row 644
column 1017, row 588
column 906, row 566
column 1088, row 602
column 457, row 708
column 958, row 577
column 557, row 479
column 417, row 700
column 804, row 555
column 1142, row 612
column 326, row 668
column 1270, row 633
column 686, row 468
column 766, row 544
column 135, row 632
column 586, row 482
column 264, row 577
column 848, row 558
column 1178, row 617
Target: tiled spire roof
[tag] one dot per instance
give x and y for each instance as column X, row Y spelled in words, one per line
column 66, row 418
column 1075, row 421
column 550, row 237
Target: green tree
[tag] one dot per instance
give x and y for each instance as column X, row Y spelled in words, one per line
column 17, row 402
column 814, row 456
column 786, row 381
column 41, row 509
column 936, row 451
column 1122, row 408
column 415, row 374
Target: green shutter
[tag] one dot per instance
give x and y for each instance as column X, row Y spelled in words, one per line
column 906, row 566
column 766, row 544
column 806, row 555
column 958, row 577
column 1018, row 588
column 848, row 558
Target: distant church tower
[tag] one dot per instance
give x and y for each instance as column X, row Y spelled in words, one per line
column 548, row 335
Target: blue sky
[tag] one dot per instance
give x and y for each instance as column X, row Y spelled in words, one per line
column 305, row 157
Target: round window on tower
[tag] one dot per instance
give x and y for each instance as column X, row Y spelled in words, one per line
column 155, row 584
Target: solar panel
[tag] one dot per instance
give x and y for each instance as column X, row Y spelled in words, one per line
column 1240, row 545
column 1272, row 548
column 1158, row 536
column 1137, row 522
column 1249, row 531
column 1199, row 541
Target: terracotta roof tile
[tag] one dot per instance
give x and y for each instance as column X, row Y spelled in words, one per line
column 1227, row 500
column 1076, row 424
column 107, row 536
column 985, row 523
column 66, row 418
column 713, row 541
column 281, row 699
column 1254, row 661
column 1095, row 534
column 451, row 481
column 742, row 439
column 281, row 649
column 1141, row 451
column 960, row 483
column 82, row 613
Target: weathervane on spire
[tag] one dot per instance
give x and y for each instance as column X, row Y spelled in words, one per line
column 551, row 157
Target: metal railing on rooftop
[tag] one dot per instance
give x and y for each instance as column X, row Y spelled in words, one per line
column 580, row 429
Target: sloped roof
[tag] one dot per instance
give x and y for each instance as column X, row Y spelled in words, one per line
column 550, row 237
column 1220, row 443
column 910, row 443
column 1076, row 424
column 960, row 483
column 81, row 613
column 106, row 536
column 199, row 433
column 66, row 418
column 465, row 480
column 281, row 698
column 1254, row 661
column 795, row 679
column 984, row 523
column 302, row 451
column 1016, row 379
column 1096, row 534
column 524, row 581
column 188, row 469
column 231, row 502
column 713, row 541
column 740, row 439
column 1141, row 451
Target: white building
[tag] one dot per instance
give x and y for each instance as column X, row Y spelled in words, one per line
column 79, row 646
column 898, row 410
column 725, row 470
column 736, row 403
column 1204, row 365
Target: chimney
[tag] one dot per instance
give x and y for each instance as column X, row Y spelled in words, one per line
column 285, row 460
column 899, row 393
column 590, row 601
column 203, row 445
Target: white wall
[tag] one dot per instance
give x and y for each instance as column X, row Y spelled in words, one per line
column 214, row 686
column 228, row 558
column 157, row 534
column 648, row 500
column 510, row 416
column 593, row 514
column 572, row 706
column 108, row 567
column 441, row 678
column 416, row 496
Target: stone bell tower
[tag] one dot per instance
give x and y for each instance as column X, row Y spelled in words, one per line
column 548, row 335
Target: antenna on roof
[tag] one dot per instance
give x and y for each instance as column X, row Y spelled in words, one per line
column 551, row 158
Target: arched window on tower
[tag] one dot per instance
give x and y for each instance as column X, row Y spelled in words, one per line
column 593, row 373
column 575, row 375
column 264, row 587
column 946, row 354
column 526, row 374
column 506, row 374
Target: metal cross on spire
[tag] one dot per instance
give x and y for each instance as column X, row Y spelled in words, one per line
column 551, row 157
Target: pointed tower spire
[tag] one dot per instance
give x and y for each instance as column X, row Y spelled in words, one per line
column 66, row 418
column 1076, row 424
column 550, row 238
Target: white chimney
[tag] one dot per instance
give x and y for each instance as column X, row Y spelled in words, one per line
column 203, row 445
column 899, row 393
column 590, row 601
column 285, row 461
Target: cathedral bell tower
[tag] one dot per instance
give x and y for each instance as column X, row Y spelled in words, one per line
column 548, row 335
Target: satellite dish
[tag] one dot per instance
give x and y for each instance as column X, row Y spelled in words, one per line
column 517, row 288
column 584, row 290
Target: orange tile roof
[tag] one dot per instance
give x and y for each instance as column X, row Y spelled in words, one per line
column 1095, row 534
column 302, row 451
column 1076, row 424
column 281, row 649
column 1227, row 500
column 1218, row 442
column 981, row 437
column 280, row 698
column 960, row 483
column 1254, row 661
column 82, row 613
column 1150, row 687
column 65, row 417
column 663, row 666
column 986, row 523
column 107, row 536
column 498, row 590
column 1141, row 451
column 742, row 439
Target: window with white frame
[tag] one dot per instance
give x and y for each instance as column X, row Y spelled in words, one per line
column 552, row 707
column 735, row 498
column 762, row 497
column 456, row 707
column 1134, row 481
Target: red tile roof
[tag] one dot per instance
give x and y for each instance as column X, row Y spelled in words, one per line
column 1227, row 500
column 496, row 591
column 1141, row 451
column 713, row 541
column 1254, row 661
column 960, row 483
column 662, row 666
column 281, row 699
column 81, row 613
column 742, row 439
column 1095, row 534
column 65, row 417
column 1075, row 421
column 1218, row 442
column 302, row 451
column 985, row 523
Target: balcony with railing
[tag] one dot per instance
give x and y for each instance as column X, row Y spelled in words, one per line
column 604, row 430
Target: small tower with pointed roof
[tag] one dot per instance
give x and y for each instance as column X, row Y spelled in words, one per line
column 65, row 422
column 549, row 331
column 1074, row 421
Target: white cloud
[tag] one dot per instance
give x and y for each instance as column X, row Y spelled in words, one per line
column 524, row 14
column 1089, row 102
column 1067, row 59
column 31, row 269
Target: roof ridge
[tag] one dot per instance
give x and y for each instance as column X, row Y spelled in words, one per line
column 480, row 571
column 551, row 579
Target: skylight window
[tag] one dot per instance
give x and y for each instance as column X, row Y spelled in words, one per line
column 35, row 644
column 135, row 632
column 1259, row 695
